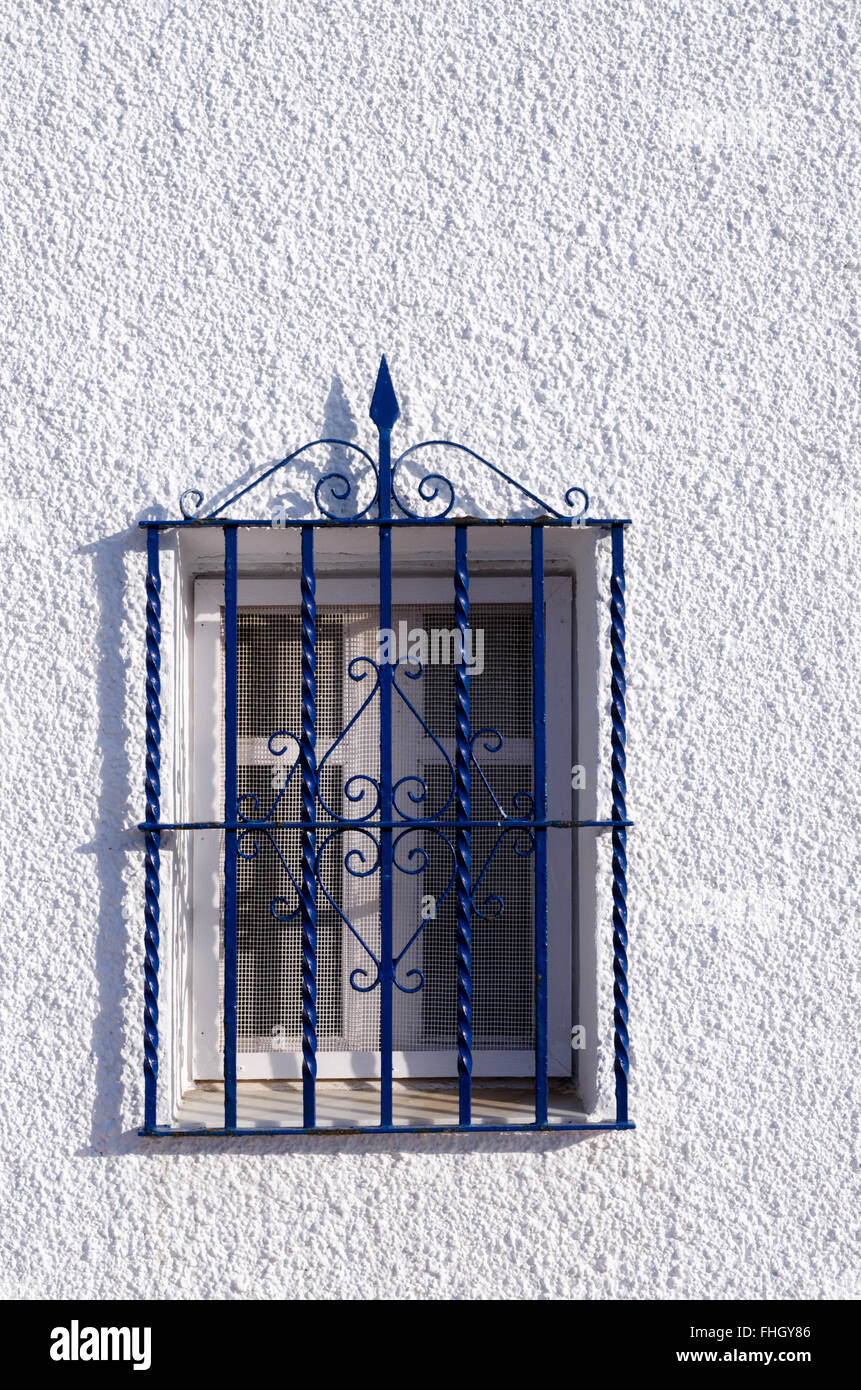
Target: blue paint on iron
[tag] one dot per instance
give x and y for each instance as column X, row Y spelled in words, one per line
column 509, row 823
column 308, row 892
column 386, row 824
column 384, row 409
column 463, row 740
column 335, row 1131
column 152, row 841
column 362, row 519
column 231, row 735
column 384, row 412
column 337, row 487
column 539, row 719
column 619, row 793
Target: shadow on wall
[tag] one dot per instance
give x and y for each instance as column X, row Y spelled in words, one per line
column 115, row 840
column 339, row 422
column 359, row 1144
column 117, row 1031
column 117, row 1036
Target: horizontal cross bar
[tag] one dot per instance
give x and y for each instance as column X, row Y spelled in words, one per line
column 165, row 1132
column 571, row 522
column 383, row 825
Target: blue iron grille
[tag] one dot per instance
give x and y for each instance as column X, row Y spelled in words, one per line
column 453, row 804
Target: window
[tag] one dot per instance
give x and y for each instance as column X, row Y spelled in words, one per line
column 269, row 1023
column 372, row 915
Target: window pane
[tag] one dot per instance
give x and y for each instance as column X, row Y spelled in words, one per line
column 270, row 669
column 270, row 950
column 501, row 695
column 502, row 929
column 270, row 993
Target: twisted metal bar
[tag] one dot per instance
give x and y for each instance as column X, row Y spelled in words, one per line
column 152, row 837
column 308, row 894
column 539, row 721
column 620, row 861
column 463, row 847
column 231, row 842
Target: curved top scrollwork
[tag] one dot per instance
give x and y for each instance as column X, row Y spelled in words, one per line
column 332, row 487
column 337, row 495
column 436, row 485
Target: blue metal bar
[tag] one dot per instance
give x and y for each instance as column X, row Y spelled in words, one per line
column 387, row 953
column 309, row 810
column 463, row 838
column 540, row 774
column 620, row 860
column 231, row 726
column 163, row 1132
column 384, row 412
column 298, row 522
column 508, row 824
column 153, row 836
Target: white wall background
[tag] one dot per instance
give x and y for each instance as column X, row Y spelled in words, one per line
column 613, row 245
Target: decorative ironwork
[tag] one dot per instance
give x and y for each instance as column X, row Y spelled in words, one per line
column 231, row 811
column 257, row 819
column 620, row 834
column 414, row 670
column 338, row 487
column 248, row 848
column 463, row 717
column 152, row 837
column 357, row 786
column 523, row 803
column 392, row 827
column 419, row 852
column 523, row 842
column 353, row 857
column 308, row 892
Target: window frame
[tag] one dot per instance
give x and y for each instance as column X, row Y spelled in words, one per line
column 360, row 589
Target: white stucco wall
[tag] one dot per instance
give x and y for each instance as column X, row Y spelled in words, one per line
column 608, row 244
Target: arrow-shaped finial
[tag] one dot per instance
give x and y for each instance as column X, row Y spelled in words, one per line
column 384, row 403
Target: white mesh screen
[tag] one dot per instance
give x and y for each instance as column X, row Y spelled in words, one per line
column 269, row 949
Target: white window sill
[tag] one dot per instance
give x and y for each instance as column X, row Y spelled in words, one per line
column 269, row 1105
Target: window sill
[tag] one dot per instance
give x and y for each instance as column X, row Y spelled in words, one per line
column 345, row 1105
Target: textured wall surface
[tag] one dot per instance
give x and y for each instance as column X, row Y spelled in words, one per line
column 610, row 244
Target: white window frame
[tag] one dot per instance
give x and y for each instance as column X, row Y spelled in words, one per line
column 208, row 805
